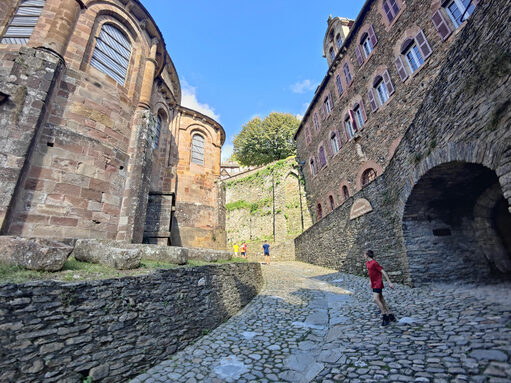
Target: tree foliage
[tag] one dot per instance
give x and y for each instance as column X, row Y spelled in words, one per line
column 261, row 142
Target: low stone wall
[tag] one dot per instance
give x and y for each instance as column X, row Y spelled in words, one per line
column 113, row 329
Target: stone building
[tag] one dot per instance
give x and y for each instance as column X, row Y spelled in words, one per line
column 405, row 151
column 94, row 142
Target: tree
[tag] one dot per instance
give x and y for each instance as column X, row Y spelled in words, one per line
column 261, row 142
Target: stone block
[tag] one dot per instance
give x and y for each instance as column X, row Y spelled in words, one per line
column 94, row 251
column 34, row 253
column 209, row 255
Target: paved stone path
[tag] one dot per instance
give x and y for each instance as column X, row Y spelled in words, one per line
column 312, row 324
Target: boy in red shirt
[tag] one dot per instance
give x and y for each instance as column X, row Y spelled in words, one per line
column 375, row 275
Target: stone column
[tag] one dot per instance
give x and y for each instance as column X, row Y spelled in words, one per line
column 62, row 26
column 136, row 191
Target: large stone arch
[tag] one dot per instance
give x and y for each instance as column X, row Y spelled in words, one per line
column 454, row 215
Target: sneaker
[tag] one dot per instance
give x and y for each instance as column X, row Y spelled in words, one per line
column 385, row 321
column 392, row 318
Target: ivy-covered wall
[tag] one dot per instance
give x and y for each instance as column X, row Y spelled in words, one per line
column 257, row 199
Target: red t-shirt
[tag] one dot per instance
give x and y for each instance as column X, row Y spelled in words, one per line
column 375, row 275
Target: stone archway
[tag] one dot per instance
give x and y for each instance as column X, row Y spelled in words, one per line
column 454, row 225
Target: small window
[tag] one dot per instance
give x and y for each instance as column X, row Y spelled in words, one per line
column 112, row 53
column 332, row 202
column 332, row 53
column 459, row 10
column 414, row 58
column 198, row 149
column 367, row 46
column 23, row 22
column 316, row 121
column 322, row 157
column 320, row 211
column 338, row 39
column 381, row 91
column 313, row 167
column 156, row 141
column 327, row 104
column 345, row 192
column 331, row 35
column 338, row 82
column 350, row 131
column 358, row 115
column 347, row 73
column 334, row 142
column 391, row 9
column 307, row 135
column 368, row 176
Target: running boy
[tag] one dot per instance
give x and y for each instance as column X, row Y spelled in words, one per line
column 375, row 275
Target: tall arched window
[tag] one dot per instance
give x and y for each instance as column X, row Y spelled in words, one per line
column 345, row 192
column 112, row 53
column 156, row 141
column 368, row 176
column 320, row 211
column 313, row 167
column 332, row 202
column 198, row 149
column 22, row 24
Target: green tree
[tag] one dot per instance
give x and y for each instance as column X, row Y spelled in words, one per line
column 261, row 142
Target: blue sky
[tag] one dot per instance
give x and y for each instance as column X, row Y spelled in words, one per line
column 238, row 59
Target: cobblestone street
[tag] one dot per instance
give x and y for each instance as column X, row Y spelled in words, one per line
column 312, row 324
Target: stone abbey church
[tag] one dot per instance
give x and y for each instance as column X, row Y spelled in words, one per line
column 406, row 144
column 94, row 142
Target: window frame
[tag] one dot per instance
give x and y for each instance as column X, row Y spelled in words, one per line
column 322, row 157
column 368, row 175
column 331, row 201
column 312, row 165
column 348, row 127
column 345, row 192
column 462, row 9
column 357, row 111
column 327, row 104
column 381, row 90
column 107, row 68
column 338, row 40
column 338, row 83
column 334, row 143
column 197, row 134
column 365, row 44
column 392, row 5
column 347, row 73
column 416, row 55
column 319, row 211
column 315, row 119
column 11, row 35
column 156, row 139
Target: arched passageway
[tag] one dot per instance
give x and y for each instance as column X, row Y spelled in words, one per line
column 457, row 226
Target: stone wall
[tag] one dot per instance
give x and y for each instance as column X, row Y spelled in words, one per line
column 114, row 329
column 434, row 207
column 250, row 211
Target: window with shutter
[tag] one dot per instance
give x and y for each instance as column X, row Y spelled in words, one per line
column 23, row 22
column 391, row 9
column 414, row 58
column 198, row 149
column 459, row 10
column 372, row 36
column 316, row 121
column 347, row 73
column 401, row 70
column 367, row 46
column 348, row 125
column 112, row 53
column 338, row 82
column 372, row 100
column 363, row 110
column 388, row 83
column 358, row 53
column 322, row 157
column 423, row 44
column 334, row 143
column 441, row 25
column 382, row 92
column 357, row 111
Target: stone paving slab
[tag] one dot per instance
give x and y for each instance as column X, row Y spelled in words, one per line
column 312, row 324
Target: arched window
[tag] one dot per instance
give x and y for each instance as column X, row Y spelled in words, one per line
column 360, row 116
column 313, row 167
column 23, row 22
column 322, row 157
column 383, row 87
column 347, row 73
column 459, row 10
column 198, row 149
column 332, row 53
column 415, row 51
column 156, row 141
column 345, row 192
column 112, row 53
column 334, row 142
column 349, row 126
column 307, row 135
column 320, row 211
column 332, row 202
column 368, row 175
column 339, row 85
column 316, row 121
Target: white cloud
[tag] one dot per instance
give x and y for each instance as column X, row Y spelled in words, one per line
column 189, row 100
column 226, row 151
column 299, row 116
column 304, row 86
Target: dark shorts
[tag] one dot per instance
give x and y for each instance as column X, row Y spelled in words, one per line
column 266, row 254
column 242, row 253
column 379, row 291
